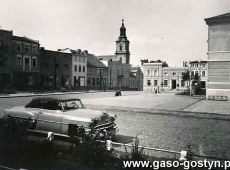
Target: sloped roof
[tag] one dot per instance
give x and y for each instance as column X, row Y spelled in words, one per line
column 92, row 60
column 218, row 19
column 25, row 39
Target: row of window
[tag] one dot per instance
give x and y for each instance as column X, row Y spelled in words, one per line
column 80, row 59
column 26, row 61
column 28, row 48
column 79, row 68
column 155, row 73
column 193, row 73
column 197, row 65
column 165, row 83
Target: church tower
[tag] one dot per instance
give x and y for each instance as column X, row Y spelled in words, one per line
column 122, row 46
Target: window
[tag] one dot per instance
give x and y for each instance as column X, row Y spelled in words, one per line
column 3, row 60
column 19, row 60
column 34, row 62
column 66, row 66
column 166, row 74
column 49, row 105
column 94, row 82
column 83, row 68
column 19, row 46
column 98, row 81
column 155, row 83
column 34, row 49
column 75, row 68
column 196, row 73
column 192, row 73
column 165, row 82
column 155, row 73
column 174, row 73
column 120, row 47
column 83, row 59
column 79, row 67
column 27, row 48
column 203, row 73
column 27, row 62
column 149, row 82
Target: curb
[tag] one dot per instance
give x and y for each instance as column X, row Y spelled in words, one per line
column 47, row 94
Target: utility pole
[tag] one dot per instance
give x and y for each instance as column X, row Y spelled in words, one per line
column 100, row 78
column 55, row 72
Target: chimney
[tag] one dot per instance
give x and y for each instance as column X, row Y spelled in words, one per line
column 85, row 52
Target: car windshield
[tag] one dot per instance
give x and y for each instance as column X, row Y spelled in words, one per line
column 72, row 105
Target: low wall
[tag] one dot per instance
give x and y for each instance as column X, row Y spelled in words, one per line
column 218, row 92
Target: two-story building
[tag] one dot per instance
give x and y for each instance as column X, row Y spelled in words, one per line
column 159, row 78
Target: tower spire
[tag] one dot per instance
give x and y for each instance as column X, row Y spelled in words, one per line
column 122, row 29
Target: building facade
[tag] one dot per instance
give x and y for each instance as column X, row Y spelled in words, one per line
column 200, row 70
column 152, row 76
column 158, row 78
column 218, row 83
column 19, row 60
column 97, row 73
column 63, row 69
column 6, row 58
column 137, row 81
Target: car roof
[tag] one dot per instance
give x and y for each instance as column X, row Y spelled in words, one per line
column 56, row 98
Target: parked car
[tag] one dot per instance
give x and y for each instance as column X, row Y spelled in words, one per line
column 62, row 116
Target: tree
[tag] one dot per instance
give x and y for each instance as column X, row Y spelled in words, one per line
column 164, row 64
column 186, row 77
column 144, row 61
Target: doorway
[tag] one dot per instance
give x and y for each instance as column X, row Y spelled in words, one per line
column 173, row 84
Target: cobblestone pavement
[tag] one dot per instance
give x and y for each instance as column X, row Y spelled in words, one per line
column 220, row 107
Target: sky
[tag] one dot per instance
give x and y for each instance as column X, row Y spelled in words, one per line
column 171, row 30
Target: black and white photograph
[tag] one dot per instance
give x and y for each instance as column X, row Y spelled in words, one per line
column 115, row 84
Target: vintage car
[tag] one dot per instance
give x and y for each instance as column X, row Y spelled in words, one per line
column 62, row 116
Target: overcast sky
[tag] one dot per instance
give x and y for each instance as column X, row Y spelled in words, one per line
column 170, row 30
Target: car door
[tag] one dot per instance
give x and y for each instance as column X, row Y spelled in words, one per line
column 50, row 118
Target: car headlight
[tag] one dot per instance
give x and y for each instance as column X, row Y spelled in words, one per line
column 114, row 117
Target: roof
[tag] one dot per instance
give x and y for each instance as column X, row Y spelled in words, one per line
column 25, row 39
column 92, row 60
column 218, row 19
column 202, row 61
